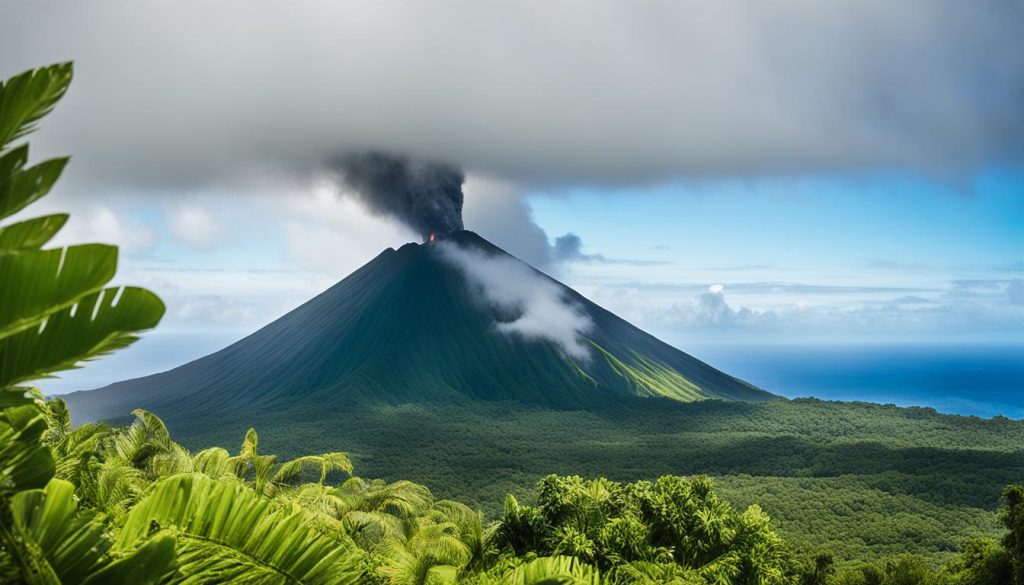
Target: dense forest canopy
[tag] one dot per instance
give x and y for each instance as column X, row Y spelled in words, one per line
column 861, row 481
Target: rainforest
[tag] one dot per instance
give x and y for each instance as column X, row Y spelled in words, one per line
column 385, row 433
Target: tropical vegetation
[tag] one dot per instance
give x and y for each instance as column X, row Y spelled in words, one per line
column 862, row 482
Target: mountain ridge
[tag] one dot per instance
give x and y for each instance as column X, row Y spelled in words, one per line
column 405, row 327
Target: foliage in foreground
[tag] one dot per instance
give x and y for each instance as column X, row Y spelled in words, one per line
column 129, row 504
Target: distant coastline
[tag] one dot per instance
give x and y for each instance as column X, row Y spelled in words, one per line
column 974, row 379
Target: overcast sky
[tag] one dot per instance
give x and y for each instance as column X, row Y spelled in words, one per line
column 732, row 171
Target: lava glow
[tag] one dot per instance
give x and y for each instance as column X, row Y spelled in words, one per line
column 431, row 237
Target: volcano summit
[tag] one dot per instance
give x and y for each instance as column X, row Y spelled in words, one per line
column 412, row 326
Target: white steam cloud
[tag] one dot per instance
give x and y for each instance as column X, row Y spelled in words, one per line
column 541, row 308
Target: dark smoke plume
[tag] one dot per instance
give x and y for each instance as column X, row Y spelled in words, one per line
column 426, row 196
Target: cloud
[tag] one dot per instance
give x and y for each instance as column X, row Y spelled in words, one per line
column 815, row 314
column 711, row 309
column 205, row 308
column 196, row 227
column 232, row 299
column 334, row 235
column 980, row 290
column 541, row 310
column 424, row 195
column 499, row 212
column 583, row 91
column 774, row 287
column 976, row 284
column 102, row 224
column 569, row 248
column 910, row 300
column 1015, row 292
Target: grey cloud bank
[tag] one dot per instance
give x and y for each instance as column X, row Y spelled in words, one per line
column 185, row 93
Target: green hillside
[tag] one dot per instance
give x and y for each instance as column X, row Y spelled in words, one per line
column 406, row 328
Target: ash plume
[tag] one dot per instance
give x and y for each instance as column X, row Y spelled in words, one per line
column 426, row 196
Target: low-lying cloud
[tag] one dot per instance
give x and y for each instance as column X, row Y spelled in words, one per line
column 542, row 312
column 569, row 249
column 760, row 310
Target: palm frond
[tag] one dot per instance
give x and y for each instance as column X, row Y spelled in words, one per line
column 98, row 324
column 57, row 543
column 552, row 571
column 214, row 462
column 24, row 462
column 325, row 464
column 226, row 533
column 31, row 233
column 50, row 280
column 20, row 186
column 172, row 460
column 27, row 97
column 371, row 529
column 58, row 421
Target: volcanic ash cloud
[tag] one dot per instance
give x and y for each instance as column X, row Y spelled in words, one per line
column 426, row 196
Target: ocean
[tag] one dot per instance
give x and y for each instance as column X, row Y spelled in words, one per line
column 971, row 379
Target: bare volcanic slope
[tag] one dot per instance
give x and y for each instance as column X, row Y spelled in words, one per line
column 406, row 328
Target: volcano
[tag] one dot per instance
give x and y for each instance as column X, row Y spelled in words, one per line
column 406, row 328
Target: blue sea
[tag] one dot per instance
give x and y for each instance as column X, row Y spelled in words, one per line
column 971, row 379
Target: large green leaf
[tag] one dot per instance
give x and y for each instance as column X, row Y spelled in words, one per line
column 226, row 534
column 11, row 162
column 20, row 187
column 59, row 544
column 38, row 282
column 25, row 463
column 215, row 462
column 324, row 464
column 147, row 564
column 14, row 396
column 100, row 323
column 31, row 233
column 27, row 97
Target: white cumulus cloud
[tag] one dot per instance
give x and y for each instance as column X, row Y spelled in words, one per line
column 196, row 227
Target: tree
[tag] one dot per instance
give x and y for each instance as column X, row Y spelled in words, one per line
column 675, row 529
column 1013, row 518
column 823, row 566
